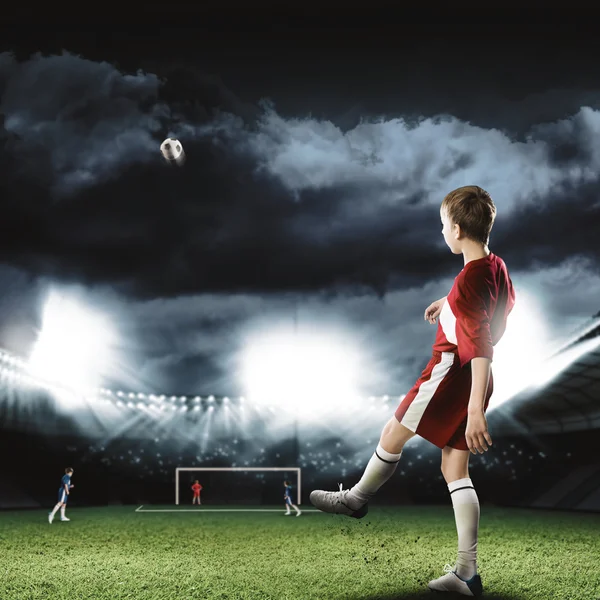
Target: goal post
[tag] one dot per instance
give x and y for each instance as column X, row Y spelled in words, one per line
column 296, row 470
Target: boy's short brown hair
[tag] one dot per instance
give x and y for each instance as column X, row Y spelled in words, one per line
column 68, row 470
column 473, row 210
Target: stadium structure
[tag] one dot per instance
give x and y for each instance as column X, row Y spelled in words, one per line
column 561, row 411
column 546, row 441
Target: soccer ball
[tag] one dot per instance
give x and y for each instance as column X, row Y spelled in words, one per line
column 172, row 150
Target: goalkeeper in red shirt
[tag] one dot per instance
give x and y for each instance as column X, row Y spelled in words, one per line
column 196, row 488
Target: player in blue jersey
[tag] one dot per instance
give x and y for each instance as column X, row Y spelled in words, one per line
column 287, row 496
column 63, row 496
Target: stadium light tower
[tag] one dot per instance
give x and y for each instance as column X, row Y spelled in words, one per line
column 73, row 345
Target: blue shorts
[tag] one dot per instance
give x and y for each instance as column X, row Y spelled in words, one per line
column 288, row 500
column 62, row 496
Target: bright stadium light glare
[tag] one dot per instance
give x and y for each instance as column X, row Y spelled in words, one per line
column 73, row 346
column 547, row 372
column 307, row 374
column 521, row 352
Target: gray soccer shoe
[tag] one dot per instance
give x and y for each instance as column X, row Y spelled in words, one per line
column 335, row 502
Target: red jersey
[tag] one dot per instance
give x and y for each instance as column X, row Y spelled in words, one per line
column 196, row 487
column 473, row 318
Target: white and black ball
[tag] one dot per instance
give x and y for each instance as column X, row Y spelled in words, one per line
column 172, row 151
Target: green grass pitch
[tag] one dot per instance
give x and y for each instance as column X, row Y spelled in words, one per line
column 115, row 553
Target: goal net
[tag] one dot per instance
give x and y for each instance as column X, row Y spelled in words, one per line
column 238, row 485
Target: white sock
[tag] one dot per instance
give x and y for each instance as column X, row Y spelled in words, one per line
column 466, row 514
column 297, row 509
column 379, row 469
column 62, row 512
column 55, row 509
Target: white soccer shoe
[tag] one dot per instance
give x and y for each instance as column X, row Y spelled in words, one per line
column 335, row 502
column 298, row 513
column 287, row 514
column 451, row 582
column 65, row 519
column 50, row 518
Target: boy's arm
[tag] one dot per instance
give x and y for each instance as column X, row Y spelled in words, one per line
column 480, row 379
column 476, row 433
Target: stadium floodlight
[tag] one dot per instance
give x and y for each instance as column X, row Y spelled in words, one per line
column 308, row 374
column 523, row 349
column 73, row 346
column 296, row 470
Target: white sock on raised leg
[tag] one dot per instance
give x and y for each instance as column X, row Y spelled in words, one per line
column 379, row 469
column 466, row 513
column 55, row 509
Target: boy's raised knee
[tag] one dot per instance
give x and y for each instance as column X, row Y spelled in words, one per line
column 394, row 436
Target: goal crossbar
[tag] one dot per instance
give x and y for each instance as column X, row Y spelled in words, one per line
column 297, row 470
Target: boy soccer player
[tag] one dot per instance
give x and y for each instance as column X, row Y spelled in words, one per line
column 447, row 404
column 287, row 498
column 196, row 489
column 63, row 496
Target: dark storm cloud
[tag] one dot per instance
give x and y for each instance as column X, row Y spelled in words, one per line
column 264, row 203
column 496, row 108
column 545, row 186
column 77, row 122
column 542, row 236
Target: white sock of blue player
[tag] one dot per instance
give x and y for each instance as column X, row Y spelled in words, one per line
column 466, row 513
column 62, row 512
column 379, row 469
column 55, row 509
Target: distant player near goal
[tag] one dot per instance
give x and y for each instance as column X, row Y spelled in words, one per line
column 63, row 496
column 196, row 488
column 447, row 404
column 287, row 498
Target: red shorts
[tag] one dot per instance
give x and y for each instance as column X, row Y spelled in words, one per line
column 197, row 494
column 436, row 407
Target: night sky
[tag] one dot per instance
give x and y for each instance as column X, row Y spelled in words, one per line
column 316, row 163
